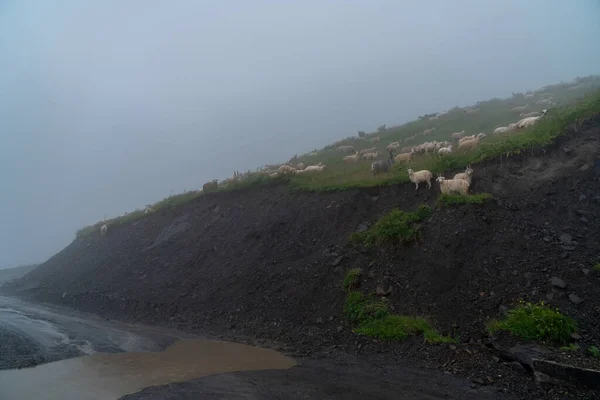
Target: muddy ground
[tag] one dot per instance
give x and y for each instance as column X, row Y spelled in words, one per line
column 265, row 264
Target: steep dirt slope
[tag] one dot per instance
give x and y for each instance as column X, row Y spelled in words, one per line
column 267, row 262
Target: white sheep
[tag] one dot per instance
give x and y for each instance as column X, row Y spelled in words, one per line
column 148, row 210
column 103, row 230
column 428, row 131
column 393, row 146
column 371, row 156
column 405, row 156
column 345, row 149
column 445, row 150
column 375, row 139
column 481, row 135
column 274, row 174
column 420, row 176
column 527, row 122
column 469, row 144
column 465, row 138
column 452, row 186
column 353, row 158
column 365, row 151
column 501, row 129
column 285, row 169
column 314, row 168
column 467, row 175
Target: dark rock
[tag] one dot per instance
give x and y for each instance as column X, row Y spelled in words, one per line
column 557, row 282
column 565, row 254
column 584, row 220
column 586, row 271
column 337, row 261
column 584, row 167
column 565, row 238
column 380, row 291
column 568, row 248
column 575, row 336
column 573, row 298
column 362, row 228
column 546, row 239
column 582, row 197
column 569, row 373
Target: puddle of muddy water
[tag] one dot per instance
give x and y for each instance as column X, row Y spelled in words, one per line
column 110, row 376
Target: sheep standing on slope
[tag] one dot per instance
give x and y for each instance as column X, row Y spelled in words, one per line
column 467, row 175
column 445, row 150
column 371, row 156
column 420, row 176
column 469, row 144
column 103, row 230
column 501, row 129
column 405, row 156
column 453, row 186
column 382, row 165
column 352, row 159
column 314, row 168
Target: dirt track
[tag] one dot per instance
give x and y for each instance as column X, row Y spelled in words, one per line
column 267, row 263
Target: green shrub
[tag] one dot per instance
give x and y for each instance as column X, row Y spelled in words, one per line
column 396, row 226
column 454, row 199
column 594, row 351
column 537, row 322
column 351, row 280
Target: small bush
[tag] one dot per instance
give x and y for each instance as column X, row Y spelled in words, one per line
column 351, row 280
column 395, row 227
column 358, row 308
column 455, row 199
column 596, row 267
column 594, row 351
column 537, row 322
column 401, row 327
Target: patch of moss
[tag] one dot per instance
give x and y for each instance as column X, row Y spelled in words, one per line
column 537, row 322
column 351, row 280
column 396, row 226
column 446, row 200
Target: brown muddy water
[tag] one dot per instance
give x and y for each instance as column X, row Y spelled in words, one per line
column 110, row 376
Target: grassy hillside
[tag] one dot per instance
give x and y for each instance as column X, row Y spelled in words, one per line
column 572, row 102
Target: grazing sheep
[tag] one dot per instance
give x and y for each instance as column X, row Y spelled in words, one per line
column 420, row 176
column 452, row 186
column 210, row 185
column 313, row 154
column 501, row 129
column 371, row 156
column 402, row 157
column 408, row 149
column 353, row 158
column 345, row 149
column 285, row 169
column 445, row 150
column 545, row 101
column 428, row 131
column 469, row 144
column 148, row 210
column 458, row 135
column 375, row 139
column 467, row 175
column 481, row 135
column 103, row 230
column 530, row 114
column 529, row 95
column 512, row 127
column 519, row 109
column 314, row 168
column 393, row 146
column 464, row 138
column 382, row 165
column 274, row 174
column 300, row 166
column 365, row 151
column 527, row 122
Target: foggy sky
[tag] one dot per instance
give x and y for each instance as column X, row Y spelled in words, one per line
column 109, row 105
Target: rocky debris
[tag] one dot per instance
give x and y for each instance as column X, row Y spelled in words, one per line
column 380, row 291
column 566, row 238
column 573, row 298
column 558, row 283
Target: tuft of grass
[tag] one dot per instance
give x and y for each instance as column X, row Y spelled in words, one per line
column 351, row 279
column 594, row 351
column 537, row 322
column 455, row 199
column 596, row 267
column 571, row 347
column 373, row 319
column 395, row 227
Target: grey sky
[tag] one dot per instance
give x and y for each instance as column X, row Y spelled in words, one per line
column 109, row 105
